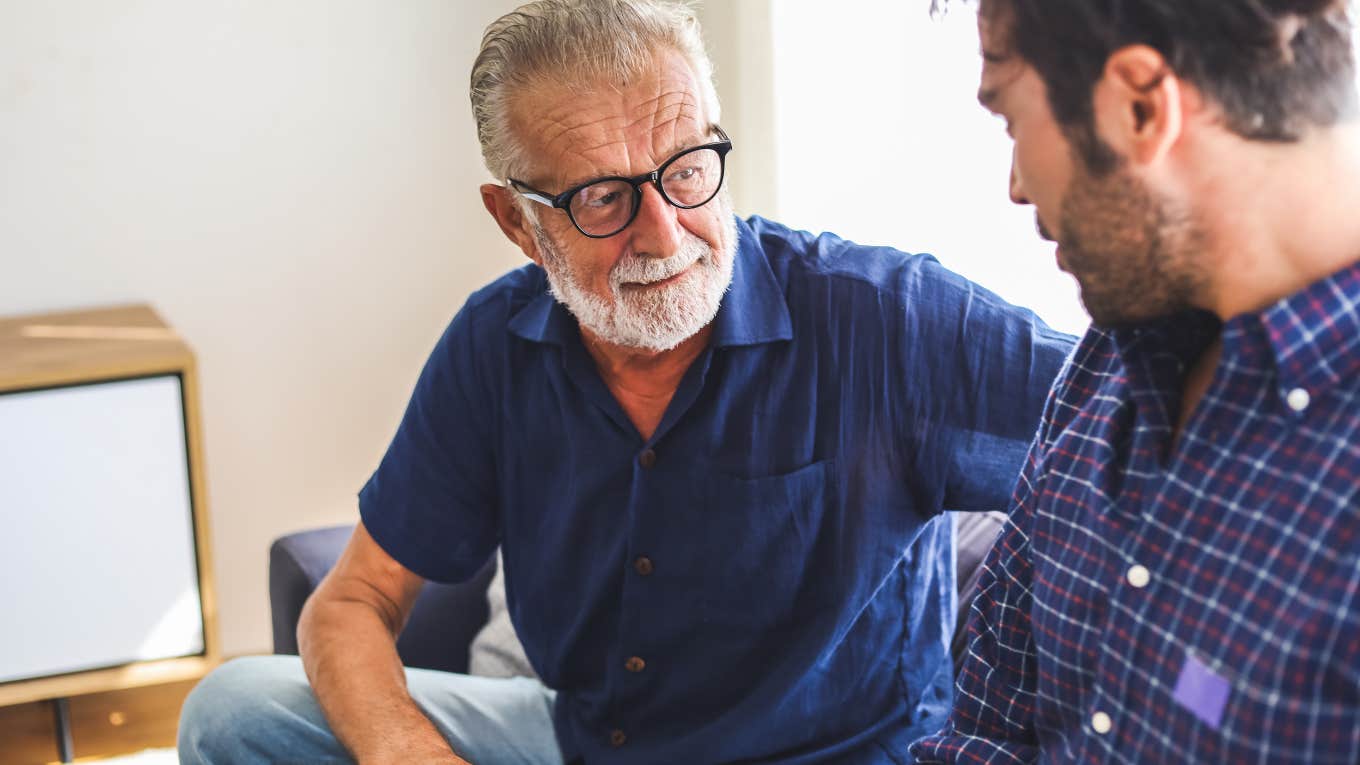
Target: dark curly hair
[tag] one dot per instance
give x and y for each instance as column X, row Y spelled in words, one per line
column 1274, row 67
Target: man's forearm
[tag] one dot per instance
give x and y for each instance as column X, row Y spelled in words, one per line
column 350, row 657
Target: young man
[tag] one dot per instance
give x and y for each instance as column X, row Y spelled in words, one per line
column 1177, row 581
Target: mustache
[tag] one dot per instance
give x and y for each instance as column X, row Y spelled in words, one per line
column 634, row 269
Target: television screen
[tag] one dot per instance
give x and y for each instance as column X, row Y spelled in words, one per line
column 97, row 560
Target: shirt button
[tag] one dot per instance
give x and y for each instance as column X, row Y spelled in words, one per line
column 643, row 565
column 617, row 738
column 635, row 664
column 1101, row 723
column 647, row 458
column 1138, row 576
column 1298, row 399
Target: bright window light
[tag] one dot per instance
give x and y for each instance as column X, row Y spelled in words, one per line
column 881, row 140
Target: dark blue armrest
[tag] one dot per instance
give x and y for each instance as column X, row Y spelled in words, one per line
column 443, row 622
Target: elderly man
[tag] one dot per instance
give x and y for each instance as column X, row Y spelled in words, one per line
column 714, row 452
column 1178, row 578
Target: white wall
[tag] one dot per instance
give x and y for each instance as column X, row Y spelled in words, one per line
column 739, row 37
column 293, row 185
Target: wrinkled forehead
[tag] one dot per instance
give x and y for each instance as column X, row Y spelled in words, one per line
column 575, row 130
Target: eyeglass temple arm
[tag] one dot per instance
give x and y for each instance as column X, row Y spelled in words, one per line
column 533, row 194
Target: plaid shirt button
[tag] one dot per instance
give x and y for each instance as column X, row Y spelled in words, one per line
column 1298, row 399
column 1101, row 723
column 1138, row 577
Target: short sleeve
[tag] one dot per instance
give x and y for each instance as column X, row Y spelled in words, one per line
column 431, row 502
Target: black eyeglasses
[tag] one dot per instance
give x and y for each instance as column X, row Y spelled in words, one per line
column 605, row 206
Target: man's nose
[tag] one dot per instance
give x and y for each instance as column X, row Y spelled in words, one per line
column 656, row 230
column 1017, row 190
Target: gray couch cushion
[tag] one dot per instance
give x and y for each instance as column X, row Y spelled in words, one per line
column 974, row 535
column 496, row 650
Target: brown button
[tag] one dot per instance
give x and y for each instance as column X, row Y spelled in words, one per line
column 647, row 458
column 617, row 738
column 635, row 664
column 643, row 565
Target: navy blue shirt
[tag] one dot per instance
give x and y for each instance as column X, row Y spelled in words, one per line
column 770, row 576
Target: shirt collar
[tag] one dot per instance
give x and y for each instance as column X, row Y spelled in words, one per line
column 1314, row 334
column 1311, row 339
column 753, row 311
column 543, row 319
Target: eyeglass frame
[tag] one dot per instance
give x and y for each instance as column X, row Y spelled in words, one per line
column 563, row 201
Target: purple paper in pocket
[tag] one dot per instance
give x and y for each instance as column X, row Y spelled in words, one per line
column 1202, row 691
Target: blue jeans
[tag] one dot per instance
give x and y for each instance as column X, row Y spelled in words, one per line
column 261, row 709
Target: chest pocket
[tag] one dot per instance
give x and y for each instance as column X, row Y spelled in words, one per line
column 1296, row 687
column 768, row 546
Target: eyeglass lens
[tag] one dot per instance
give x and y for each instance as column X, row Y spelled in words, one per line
column 690, row 180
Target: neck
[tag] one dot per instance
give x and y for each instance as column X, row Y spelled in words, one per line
column 1283, row 217
column 642, row 371
column 643, row 382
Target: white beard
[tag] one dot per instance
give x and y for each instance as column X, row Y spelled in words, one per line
column 653, row 319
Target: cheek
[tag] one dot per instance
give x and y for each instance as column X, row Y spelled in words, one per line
column 707, row 222
column 589, row 260
column 597, row 260
column 1042, row 169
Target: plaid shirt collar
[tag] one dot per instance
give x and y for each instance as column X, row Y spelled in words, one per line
column 1310, row 339
column 1315, row 334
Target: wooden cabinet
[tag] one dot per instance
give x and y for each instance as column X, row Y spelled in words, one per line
column 102, row 724
column 128, row 698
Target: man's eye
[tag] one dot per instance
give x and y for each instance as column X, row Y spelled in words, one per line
column 603, row 200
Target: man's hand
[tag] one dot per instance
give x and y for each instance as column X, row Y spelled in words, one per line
column 347, row 636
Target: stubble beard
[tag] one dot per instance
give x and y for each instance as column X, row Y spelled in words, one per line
column 1136, row 257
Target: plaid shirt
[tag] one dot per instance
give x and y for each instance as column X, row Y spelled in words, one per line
column 1159, row 602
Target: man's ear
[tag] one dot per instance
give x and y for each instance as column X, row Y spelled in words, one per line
column 1138, row 104
column 500, row 202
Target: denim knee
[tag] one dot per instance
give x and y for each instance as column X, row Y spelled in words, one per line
column 241, row 706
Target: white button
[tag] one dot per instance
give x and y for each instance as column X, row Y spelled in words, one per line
column 1139, row 576
column 1101, row 723
column 1298, row 399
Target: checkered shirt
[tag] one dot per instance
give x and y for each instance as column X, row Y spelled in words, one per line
column 1188, row 602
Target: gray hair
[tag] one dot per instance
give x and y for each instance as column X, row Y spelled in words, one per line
column 592, row 41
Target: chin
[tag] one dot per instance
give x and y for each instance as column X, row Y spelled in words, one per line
column 1127, row 311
